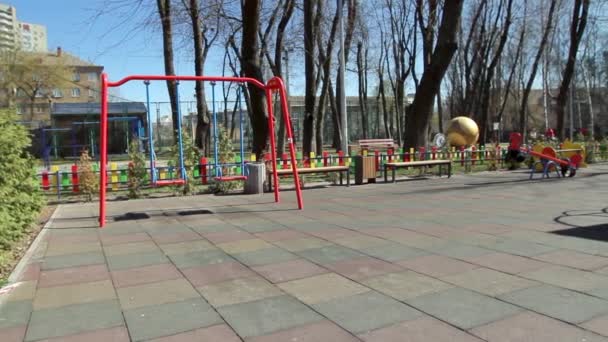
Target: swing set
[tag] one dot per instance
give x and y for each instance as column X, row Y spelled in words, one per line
column 273, row 85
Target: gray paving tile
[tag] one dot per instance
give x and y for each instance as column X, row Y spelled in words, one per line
column 329, row 254
column 121, row 262
column 569, row 278
column 73, row 319
column 15, row 313
column 463, row 308
column 200, row 258
column 267, row 315
column 169, row 319
column 601, row 292
column 394, row 252
column 366, row 311
column 458, row 251
column 559, row 303
column 264, row 256
column 520, row 247
column 73, row 260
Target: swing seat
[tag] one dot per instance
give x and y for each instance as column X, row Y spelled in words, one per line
column 230, row 178
column 170, row 182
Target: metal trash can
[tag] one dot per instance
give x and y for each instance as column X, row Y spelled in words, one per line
column 255, row 179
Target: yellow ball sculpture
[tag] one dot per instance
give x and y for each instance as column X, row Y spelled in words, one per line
column 462, row 131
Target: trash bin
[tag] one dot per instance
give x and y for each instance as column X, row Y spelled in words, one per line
column 365, row 168
column 255, row 179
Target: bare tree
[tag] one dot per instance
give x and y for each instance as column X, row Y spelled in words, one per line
column 250, row 64
column 523, row 110
column 421, row 110
column 310, row 70
column 203, row 37
column 362, row 55
column 165, row 12
column 577, row 29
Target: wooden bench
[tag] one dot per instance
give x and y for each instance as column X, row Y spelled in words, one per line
column 395, row 165
column 309, row 170
column 379, row 143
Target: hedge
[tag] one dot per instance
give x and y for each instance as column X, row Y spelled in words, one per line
column 20, row 199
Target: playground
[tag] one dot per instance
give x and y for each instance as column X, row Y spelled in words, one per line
column 485, row 256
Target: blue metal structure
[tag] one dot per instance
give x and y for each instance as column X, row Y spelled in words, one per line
column 153, row 176
column 216, row 164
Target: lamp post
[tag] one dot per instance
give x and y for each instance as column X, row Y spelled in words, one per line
column 341, row 95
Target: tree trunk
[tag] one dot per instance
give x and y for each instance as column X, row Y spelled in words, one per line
column 577, row 29
column 309, row 72
column 523, row 110
column 487, row 85
column 164, row 11
column 202, row 124
column 587, row 81
column 288, row 8
column 362, row 76
column 421, row 110
column 251, row 68
column 439, row 112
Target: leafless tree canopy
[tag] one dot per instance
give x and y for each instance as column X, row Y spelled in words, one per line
column 411, row 64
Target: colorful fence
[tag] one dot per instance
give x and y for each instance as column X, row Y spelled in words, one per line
column 66, row 182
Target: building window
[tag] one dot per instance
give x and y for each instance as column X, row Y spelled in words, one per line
column 91, row 93
column 20, row 93
column 75, row 92
column 57, row 92
column 76, row 77
column 39, row 109
column 93, row 77
column 38, row 93
column 19, row 110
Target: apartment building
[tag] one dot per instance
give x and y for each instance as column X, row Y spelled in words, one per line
column 15, row 34
column 32, row 37
column 9, row 27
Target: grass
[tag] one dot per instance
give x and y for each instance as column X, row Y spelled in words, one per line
column 10, row 258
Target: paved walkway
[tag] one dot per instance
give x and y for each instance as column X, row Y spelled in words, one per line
column 485, row 257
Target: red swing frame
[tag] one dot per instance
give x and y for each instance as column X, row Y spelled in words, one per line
column 275, row 84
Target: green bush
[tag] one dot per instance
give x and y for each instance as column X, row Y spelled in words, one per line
column 20, row 198
column 137, row 169
column 225, row 155
column 89, row 182
column 191, row 159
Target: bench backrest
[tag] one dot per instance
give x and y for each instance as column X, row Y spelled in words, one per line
column 376, row 142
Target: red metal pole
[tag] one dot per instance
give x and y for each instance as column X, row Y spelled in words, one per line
column 103, row 157
column 273, row 152
column 325, row 157
column 341, row 158
column 203, row 170
column 292, row 150
column 45, row 180
column 75, row 178
column 473, row 154
column 377, row 159
column 284, row 158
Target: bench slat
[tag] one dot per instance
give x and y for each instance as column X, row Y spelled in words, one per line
column 310, row 170
column 419, row 163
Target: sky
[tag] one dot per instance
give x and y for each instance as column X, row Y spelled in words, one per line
column 124, row 51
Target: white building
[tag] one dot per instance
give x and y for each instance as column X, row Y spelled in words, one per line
column 21, row 35
column 9, row 27
column 33, row 37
